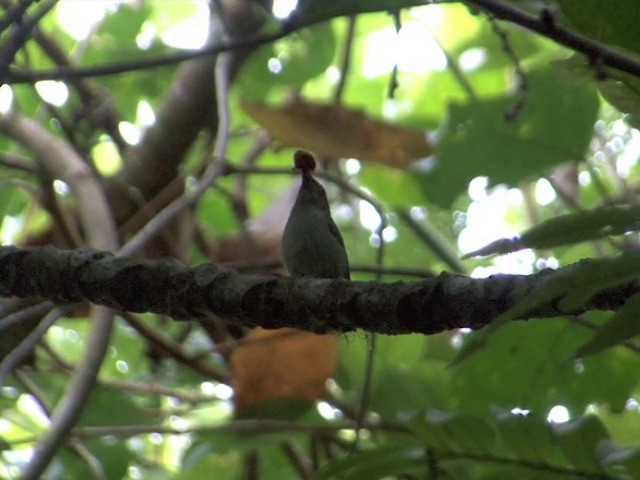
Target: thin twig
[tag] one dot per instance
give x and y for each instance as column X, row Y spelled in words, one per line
column 522, row 86
column 354, row 267
column 157, row 223
column 25, row 314
column 76, row 445
column 224, row 64
column 233, row 426
column 436, row 242
column 346, row 59
column 393, row 80
column 13, row 359
column 158, row 389
column 175, row 350
column 238, row 197
column 18, row 162
column 14, row 13
column 20, row 35
column 222, row 78
column 458, row 73
column 17, row 76
column 69, row 408
column 298, row 459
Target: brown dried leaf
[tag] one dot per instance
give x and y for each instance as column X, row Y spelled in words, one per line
column 282, row 364
column 335, row 131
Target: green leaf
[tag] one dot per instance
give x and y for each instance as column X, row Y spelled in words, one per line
column 392, row 352
column 608, row 21
column 455, row 432
column 4, row 445
column 12, row 202
column 375, row 463
column 622, row 326
column 399, row 389
column 582, row 226
column 598, row 274
column 272, row 462
column 527, row 436
column 623, row 92
column 526, row 366
column 611, row 454
column 555, row 126
column 199, row 466
column 392, row 185
column 288, row 63
column 117, row 33
column 130, row 355
column 620, row 89
column 579, row 441
column 569, row 228
column 574, row 286
column 114, row 457
column 113, row 407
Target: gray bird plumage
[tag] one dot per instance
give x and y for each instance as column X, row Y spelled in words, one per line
column 311, row 243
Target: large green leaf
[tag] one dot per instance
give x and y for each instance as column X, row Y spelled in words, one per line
column 620, row 89
column 555, row 126
column 608, row 21
column 200, row 465
column 611, row 454
column 444, row 431
column 114, row 407
column 528, row 436
column 376, row 463
column 622, row 326
column 570, row 288
column 623, row 92
column 526, row 365
column 579, row 441
column 272, row 465
column 114, row 457
column 398, row 389
column 392, row 353
column 569, row 228
column 391, row 186
column 13, row 201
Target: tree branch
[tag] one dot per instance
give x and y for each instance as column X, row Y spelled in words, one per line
column 169, row 287
column 546, row 25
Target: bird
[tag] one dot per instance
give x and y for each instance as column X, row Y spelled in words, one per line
column 312, row 245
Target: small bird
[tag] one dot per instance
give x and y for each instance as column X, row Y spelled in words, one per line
column 312, row 245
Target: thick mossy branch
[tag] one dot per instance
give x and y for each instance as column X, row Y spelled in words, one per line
column 172, row 288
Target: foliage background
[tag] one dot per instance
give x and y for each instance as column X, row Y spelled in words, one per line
column 523, row 131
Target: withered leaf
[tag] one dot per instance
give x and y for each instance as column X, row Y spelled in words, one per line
column 335, row 131
column 282, row 364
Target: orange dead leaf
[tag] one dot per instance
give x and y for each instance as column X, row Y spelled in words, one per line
column 282, row 364
column 335, row 131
